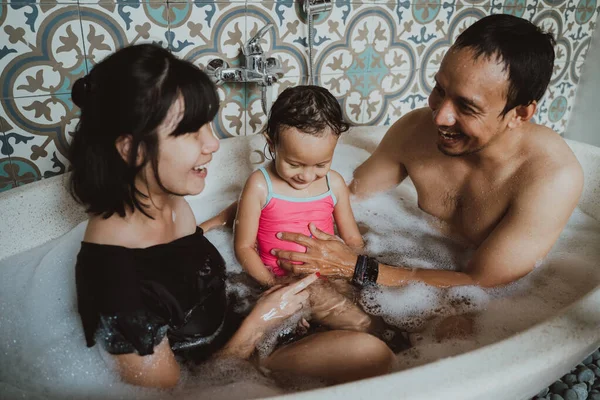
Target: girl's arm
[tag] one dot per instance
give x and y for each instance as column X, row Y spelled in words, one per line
column 246, row 228
column 224, row 218
column 342, row 213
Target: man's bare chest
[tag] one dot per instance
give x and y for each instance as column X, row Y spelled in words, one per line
column 470, row 205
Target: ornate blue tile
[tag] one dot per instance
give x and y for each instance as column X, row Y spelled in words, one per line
column 41, row 48
column 200, row 31
column 7, row 180
column 555, row 107
column 551, row 20
column 108, row 26
column 39, row 130
column 255, row 117
column 287, row 39
column 343, row 40
column 348, row 89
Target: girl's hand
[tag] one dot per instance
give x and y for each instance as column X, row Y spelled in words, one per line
column 224, row 218
column 281, row 302
column 325, row 254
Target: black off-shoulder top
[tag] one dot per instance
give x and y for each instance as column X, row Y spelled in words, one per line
column 130, row 299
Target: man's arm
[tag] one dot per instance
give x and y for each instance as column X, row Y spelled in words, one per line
column 384, row 170
column 524, row 236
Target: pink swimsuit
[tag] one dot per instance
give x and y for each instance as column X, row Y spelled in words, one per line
column 291, row 214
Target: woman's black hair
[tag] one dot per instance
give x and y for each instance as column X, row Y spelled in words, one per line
column 526, row 51
column 130, row 93
column 310, row 109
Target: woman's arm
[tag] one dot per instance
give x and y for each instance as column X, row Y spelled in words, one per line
column 342, row 213
column 158, row 370
column 274, row 307
column 253, row 197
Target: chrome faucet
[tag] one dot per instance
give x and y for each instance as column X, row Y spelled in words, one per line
column 257, row 69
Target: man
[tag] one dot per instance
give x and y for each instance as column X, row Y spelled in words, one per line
column 477, row 161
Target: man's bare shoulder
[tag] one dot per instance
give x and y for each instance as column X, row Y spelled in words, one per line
column 550, row 161
column 406, row 137
column 411, row 124
column 547, row 151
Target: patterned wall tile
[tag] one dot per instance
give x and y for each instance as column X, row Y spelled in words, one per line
column 342, row 40
column 203, row 30
column 41, row 48
column 519, row 8
column 347, row 89
column 38, row 132
column 255, row 117
column 378, row 57
column 556, row 105
column 286, row 41
column 7, row 180
column 108, row 26
column 551, row 20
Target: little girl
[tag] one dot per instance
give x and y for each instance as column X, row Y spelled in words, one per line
column 296, row 188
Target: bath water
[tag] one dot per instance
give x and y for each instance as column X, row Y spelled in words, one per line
column 42, row 347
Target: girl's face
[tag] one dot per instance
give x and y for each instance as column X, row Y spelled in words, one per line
column 183, row 160
column 301, row 158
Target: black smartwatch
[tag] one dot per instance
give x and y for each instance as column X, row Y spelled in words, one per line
column 366, row 271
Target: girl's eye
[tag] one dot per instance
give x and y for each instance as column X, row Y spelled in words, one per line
column 321, row 165
column 294, row 166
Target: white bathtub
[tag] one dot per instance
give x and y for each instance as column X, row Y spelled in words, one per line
column 514, row 368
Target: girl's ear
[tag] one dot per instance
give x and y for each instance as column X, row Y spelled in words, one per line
column 269, row 143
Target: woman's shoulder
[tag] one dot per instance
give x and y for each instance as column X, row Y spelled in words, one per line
column 115, row 231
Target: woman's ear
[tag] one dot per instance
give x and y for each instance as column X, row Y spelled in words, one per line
column 124, row 145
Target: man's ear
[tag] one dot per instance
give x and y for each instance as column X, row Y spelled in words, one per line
column 522, row 114
column 124, row 145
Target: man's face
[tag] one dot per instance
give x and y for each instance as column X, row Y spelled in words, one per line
column 467, row 102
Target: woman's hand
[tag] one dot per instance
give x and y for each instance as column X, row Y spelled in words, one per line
column 224, row 218
column 273, row 308
column 281, row 302
column 325, row 254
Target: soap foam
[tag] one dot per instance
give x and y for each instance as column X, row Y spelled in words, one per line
column 42, row 347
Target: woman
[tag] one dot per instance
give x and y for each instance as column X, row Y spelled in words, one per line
column 150, row 286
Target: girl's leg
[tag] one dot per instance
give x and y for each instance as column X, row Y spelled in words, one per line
column 333, row 304
column 336, row 356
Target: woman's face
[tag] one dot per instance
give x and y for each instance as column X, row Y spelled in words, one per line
column 183, row 159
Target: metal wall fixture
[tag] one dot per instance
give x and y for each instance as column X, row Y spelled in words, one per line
column 258, row 68
column 312, row 7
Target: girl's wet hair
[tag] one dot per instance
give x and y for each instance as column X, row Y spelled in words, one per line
column 310, row 109
column 130, row 93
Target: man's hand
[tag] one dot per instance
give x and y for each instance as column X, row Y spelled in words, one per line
column 325, row 254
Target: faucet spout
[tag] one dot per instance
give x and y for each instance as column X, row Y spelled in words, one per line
column 252, row 46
